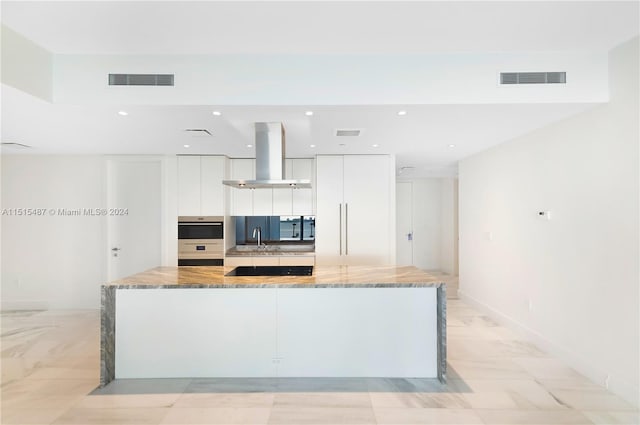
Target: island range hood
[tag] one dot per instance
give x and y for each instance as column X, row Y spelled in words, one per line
column 270, row 165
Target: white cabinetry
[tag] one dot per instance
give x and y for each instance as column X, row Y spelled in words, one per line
column 295, row 201
column 262, row 201
column 246, row 260
column 312, row 332
column 329, row 209
column 200, row 189
column 297, row 260
column 302, row 199
column 242, row 199
column 270, row 260
column 354, row 209
column 272, row 201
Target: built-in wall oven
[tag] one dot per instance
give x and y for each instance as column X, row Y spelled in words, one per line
column 201, row 241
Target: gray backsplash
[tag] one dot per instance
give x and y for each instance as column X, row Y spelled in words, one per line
column 275, row 229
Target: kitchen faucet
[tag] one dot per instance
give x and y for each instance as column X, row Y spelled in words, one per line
column 257, row 230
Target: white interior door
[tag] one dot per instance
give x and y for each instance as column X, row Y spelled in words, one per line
column 404, row 224
column 134, row 216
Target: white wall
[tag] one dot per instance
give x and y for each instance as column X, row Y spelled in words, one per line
column 26, row 65
column 169, row 213
column 52, row 261
column 433, row 209
column 461, row 78
column 571, row 283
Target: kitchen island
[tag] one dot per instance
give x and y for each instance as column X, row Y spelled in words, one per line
column 355, row 321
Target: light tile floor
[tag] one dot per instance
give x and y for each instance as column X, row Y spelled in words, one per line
column 50, row 374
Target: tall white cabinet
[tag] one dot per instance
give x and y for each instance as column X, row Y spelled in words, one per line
column 355, row 209
column 200, row 189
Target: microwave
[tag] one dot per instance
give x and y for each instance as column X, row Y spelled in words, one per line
column 211, row 227
column 200, row 241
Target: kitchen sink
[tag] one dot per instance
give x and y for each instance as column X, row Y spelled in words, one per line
column 271, row 271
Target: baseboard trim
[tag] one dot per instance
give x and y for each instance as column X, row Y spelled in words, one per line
column 617, row 384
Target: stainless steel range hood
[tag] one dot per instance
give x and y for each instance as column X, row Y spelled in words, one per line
column 270, row 151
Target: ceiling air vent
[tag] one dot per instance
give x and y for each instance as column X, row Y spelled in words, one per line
column 348, row 133
column 406, row 169
column 141, row 79
column 198, row 132
column 533, row 78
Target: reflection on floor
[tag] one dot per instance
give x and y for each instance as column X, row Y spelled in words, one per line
column 50, row 374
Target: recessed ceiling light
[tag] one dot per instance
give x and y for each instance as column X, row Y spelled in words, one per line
column 249, row 146
column 187, row 146
column 308, row 113
column 312, row 146
column 375, row 145
column 402, row 113
column 452, row 146
column 123, row 113
column 217, row 113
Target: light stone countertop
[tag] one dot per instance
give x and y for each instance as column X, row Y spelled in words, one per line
column 278, row 250
column 323, row 276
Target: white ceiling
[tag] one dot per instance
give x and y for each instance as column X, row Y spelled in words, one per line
column 213, row 27
column 420, row 139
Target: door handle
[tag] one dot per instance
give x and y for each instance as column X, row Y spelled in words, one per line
column 409, row 236
column 346, row 229
column 340, row 227
column 115, row 249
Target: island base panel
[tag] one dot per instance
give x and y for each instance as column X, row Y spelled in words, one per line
column 276, row 332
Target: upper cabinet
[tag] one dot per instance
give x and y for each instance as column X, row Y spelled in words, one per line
column 355, row 209
column 242, row 199
column 201, row 192
column 302, row 199
column 295, row 201
column 200, row 189
column 279, row 201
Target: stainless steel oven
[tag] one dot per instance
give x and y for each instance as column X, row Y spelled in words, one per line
column 201, row 241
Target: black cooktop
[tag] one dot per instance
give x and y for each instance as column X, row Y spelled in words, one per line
column 271, row 271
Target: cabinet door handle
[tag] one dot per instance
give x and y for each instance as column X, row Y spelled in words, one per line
column 346, row 229
column 340, row 227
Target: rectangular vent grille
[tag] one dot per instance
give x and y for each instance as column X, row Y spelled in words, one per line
column 198, row 131
column 141, row 79
column 533, row 78
column 347, row 133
